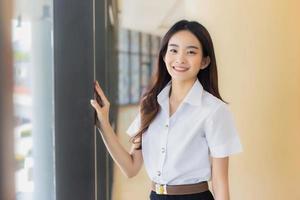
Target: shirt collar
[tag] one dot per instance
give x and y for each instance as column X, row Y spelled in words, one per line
column 193, row 97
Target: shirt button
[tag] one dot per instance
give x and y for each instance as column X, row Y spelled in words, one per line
column 158, row 173
column 166, row 125
column 163, row 150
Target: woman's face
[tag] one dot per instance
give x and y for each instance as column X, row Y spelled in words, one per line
column 183, row 57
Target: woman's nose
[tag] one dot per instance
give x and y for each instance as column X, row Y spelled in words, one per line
column 180, row 59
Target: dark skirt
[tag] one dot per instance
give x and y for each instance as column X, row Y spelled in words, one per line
column 207, row 195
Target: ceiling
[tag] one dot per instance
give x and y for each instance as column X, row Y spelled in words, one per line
column 154, row 16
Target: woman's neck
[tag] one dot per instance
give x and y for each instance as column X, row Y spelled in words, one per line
column 179, row 89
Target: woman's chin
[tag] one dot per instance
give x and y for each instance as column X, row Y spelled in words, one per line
column 180, row 78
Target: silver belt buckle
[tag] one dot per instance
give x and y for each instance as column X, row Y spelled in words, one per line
column 161, row 189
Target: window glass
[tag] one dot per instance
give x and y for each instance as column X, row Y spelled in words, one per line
column 33, row 99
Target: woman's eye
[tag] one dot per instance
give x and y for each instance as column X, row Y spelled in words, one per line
column 173, row 50
column 191, row 52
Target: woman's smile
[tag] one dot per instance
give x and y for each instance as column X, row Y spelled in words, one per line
column 180, row 69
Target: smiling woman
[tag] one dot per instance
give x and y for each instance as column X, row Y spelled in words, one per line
column 184, row 90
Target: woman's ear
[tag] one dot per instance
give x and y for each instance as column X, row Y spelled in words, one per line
column 205, row 62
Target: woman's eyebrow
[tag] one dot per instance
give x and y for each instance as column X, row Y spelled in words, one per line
column 193, row 47
column 188, row 47
column 174, row 45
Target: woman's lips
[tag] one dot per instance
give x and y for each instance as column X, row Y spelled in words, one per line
column 180, row 69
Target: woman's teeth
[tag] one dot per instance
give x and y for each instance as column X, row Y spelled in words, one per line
column 180, row 69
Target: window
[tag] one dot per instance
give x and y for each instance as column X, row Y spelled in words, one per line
column 137, row 54
column 33, row 100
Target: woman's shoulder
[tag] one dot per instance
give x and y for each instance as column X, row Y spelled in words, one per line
column 209, row 99
column 212, row 103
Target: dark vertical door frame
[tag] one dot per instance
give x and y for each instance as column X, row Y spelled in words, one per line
column 83, row 41
column 73, row 89
column 7, row 188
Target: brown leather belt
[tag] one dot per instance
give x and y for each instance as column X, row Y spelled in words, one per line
column 179, row 189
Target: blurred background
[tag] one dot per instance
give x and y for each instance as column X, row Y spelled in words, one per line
column 52, row 50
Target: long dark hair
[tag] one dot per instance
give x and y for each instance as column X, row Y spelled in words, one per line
column 208, row 76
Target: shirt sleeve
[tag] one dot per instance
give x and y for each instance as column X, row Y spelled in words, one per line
column 221, row 134
column 134, row 126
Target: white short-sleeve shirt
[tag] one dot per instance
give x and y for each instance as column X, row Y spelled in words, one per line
column 177, row 149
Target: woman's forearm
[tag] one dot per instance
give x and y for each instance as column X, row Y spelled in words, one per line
column 220, row 190
column 220, row 185
column 122, row 157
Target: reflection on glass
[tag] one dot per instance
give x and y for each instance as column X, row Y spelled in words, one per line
column 123, row 40
column 145, row 43
column 145, row 72
column 135, row 78
column 134, row 42
column 123, row 97
column 33, row 100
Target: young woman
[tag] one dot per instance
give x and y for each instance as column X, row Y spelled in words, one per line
column 184, row 132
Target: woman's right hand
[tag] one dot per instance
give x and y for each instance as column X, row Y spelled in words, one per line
column 102, row 110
